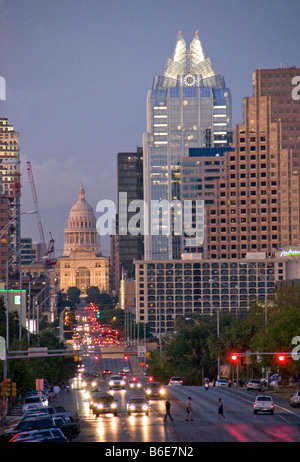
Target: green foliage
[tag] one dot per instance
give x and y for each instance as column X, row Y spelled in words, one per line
column 192, row 353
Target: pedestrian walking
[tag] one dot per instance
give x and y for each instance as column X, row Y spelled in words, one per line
column 168, row 409
column 220, row 409
column 189, row 411
column 56, row 390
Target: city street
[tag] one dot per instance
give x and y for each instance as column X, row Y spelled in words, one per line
column 240, row 425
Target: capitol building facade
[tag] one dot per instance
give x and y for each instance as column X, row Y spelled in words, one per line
column 82, row 264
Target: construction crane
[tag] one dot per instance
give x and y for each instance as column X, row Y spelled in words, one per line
column 35, row 201
column 49, row 255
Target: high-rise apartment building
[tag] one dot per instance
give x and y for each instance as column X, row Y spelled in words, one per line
column 130, row 188
column 258, row 200
column 10, row 172
column 188, row 106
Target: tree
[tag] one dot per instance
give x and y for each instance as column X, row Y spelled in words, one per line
column 73, row 295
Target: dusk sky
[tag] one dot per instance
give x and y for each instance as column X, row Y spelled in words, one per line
column 77, row 74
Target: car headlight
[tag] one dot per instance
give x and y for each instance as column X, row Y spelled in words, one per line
column 94, row 383
column 162, row 391
column 122, row 382
column 100, row 405
column 138, row 385
column 83, row 384
column 131, row 385
column 132, row 407
column 110, row 382
column 148, row 391
column 145, row 407
column 87, row 395
column 113, row 405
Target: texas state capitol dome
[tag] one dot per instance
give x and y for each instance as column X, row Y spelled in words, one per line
column 82, row 264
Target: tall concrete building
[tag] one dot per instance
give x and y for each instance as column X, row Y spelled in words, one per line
column 188, row 106
column 258, row 200
column 11, row 186
column 130, row 188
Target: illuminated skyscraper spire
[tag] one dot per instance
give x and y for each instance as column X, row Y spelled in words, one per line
column 188, row 106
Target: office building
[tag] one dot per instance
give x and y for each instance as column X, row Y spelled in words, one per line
column 168, row 290
column 258, row 199
column 200, row 171
column 130, row 188
column 188, row 106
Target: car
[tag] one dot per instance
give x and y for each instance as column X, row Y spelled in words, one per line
column 93, row 394
column 221, row 383
column 126, row 370
column 49, row 435
column 295, row 399
column 105, row 404
column 33, row 401
column 263, row 403
column 122, row 373
column 116, row 381
column 89, row 383
column 254, row 385
column 137, row 405
column 134, row 383
column 155, row 390
column 175, row 381
column 106, row 372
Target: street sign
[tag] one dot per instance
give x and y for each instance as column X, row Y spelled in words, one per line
column 2, row 349
column 142, row 351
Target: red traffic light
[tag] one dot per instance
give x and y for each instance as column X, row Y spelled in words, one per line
column 281, row 358
column 234, row 357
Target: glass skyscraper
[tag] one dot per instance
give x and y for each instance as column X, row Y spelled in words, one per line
column 189, row 106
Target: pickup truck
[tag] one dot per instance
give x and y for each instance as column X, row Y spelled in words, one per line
column 295, row 399
column 69, row 429
column 263, row 403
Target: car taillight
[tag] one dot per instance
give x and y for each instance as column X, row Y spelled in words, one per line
column 272, row 405
column 254, row 405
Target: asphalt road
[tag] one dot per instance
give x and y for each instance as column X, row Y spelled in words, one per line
column 240, row 424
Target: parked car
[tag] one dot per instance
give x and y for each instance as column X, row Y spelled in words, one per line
column 263, row 403
column 53, row 411
column 138, row 405
column 116, row 381
column 105, row 404
column 254, row 385
column 155, row 390
column 175, row 381
column 33, row 402
column 49, row 435
column 221, row 383
column 295, row 399
column 41, row 422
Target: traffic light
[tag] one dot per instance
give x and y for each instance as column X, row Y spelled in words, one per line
column 7, row 387
column 13, row 389
column 98, row 314
column 125, row 357
column 281, row 358
column 234, row 357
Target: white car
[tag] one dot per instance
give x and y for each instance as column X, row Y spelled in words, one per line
column 33, row 402
column 221, row 383
column 175, row 381
column 263, row 403
column 116, row 381
column 295, row 399
column 254, row 385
